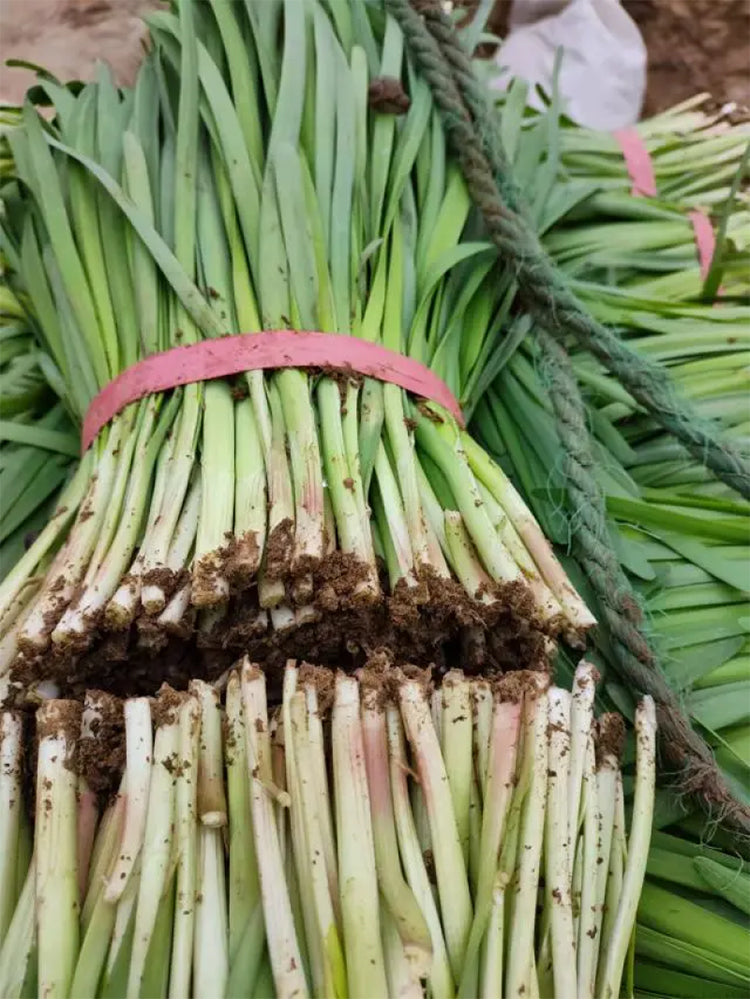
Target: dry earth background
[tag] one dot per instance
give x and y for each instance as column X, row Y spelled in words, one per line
column 68, row 37
column 693, row 45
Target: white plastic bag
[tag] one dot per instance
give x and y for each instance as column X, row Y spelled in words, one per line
column 603, row 73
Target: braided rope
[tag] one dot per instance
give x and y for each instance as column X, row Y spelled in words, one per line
column 685, row 751
column 543, row 290
column 474, row 97
column 466, row 115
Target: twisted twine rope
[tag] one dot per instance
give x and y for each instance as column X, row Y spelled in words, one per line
column 437, row 50
column 543, row 289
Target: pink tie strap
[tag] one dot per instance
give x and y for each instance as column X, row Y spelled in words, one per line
column 271, row 349
column 705, row 240
column 641, row 172
column 637, row 162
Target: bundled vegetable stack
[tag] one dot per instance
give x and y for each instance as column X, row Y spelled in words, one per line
column 401, row 260
column 245, row 185
column 680, row 534
column 38, row 441
column 413, row 869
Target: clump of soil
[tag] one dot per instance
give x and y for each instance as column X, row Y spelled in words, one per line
column 341, row 624
column 610, row 737
column 443, row 630
column 101, row 751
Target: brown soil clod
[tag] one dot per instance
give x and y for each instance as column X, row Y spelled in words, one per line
column 59, row 717
column 386, row 95
column 341, row 633
column 610, row 738
column 279, row 547
column 323, row 680
column 340, row 620
column 101, row 750
column 209, row 580
column 163, row 578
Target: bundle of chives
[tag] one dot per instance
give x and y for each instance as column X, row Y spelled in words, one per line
column 253, row 180
column 681, row 536
column 229, row 863
column 37, row 440
column 696, row 156
column 694, row 152
column 651, row 248
column 692, row 936
column 683, row 540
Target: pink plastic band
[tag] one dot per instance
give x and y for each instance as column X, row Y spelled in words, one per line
column 705, row 240
column 272, row 349
column 638, row 162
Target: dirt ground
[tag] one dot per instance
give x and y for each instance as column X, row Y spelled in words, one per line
column 693, row 45
column 68, row 37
